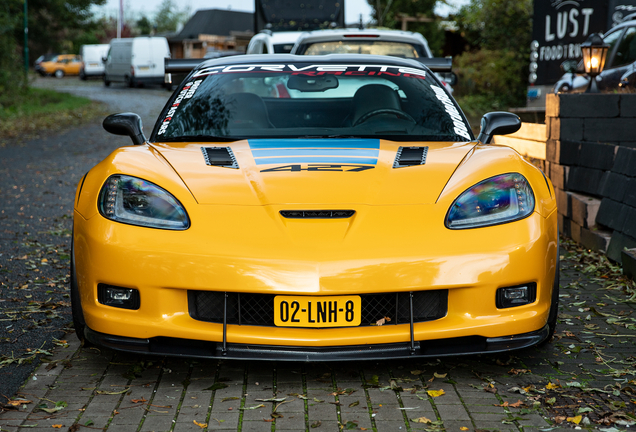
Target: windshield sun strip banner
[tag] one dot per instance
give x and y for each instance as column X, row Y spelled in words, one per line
column 317, row 69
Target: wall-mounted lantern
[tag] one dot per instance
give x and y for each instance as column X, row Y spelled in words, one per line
column 594, row 55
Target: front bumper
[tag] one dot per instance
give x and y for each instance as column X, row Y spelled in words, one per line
column 205, row 349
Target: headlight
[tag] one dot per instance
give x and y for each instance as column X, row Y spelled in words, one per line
column 501, row 199
column 134, row 201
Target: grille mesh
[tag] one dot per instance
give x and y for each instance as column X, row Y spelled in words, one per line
column 258, row 309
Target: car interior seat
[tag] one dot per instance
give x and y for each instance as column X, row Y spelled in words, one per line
column 247, row 111
column 374, row 97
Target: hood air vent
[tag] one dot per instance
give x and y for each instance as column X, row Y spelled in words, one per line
column 409, row 156
column 219, row 156
column 317, row 214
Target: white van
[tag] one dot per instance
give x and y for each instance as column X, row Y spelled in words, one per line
column 92, row 60
column 136, row 61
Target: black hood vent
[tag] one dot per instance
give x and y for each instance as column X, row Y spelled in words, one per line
column 317, row 214
column 219, row 156
column 409, row 156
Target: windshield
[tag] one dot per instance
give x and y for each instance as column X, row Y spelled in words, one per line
column 306, row 100
column 374, row 47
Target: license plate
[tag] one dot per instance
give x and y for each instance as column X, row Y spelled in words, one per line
column 144, row 67
column 304, row 311
column 93, row 64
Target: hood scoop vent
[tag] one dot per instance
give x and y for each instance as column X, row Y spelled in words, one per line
column 219, row 156
column 409, row 156
column 317, row 214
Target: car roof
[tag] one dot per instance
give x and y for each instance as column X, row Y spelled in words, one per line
column 280, row 37
column 383, row 34
column 252, row 59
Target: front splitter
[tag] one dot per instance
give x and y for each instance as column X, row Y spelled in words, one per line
column 176, row 347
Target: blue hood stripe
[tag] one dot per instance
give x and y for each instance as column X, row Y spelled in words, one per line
column 299, row 151
column 318, row 159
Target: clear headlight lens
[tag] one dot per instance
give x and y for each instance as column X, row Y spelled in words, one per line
column 134, row 201
column 497, row 200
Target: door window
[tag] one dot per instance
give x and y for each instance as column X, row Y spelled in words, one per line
column 626, row 51
column 611, row 39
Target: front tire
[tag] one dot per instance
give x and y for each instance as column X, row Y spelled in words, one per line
column 76, row 304
column 82, row 75
column 106, row 81
column 59, row 73
column 554, row 304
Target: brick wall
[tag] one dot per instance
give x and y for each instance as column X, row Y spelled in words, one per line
column 591, row 160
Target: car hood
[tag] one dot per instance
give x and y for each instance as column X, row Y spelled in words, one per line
column 314, row 171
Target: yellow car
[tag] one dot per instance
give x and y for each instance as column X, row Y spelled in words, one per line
column 63, row 64
column 314, row 208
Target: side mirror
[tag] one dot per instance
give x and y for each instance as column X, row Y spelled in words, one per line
column 569, row 66
column 104, row 59
column 498, row 123
column 125, row 124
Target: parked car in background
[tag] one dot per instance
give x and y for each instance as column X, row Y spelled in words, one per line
column 136, row 61
column 37, row 64
column 93, row 60
column 268, row 42
column 60, row 65
column 395, row 43
column 619, row 72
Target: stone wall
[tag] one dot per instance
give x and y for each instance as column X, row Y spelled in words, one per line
column 591, row 160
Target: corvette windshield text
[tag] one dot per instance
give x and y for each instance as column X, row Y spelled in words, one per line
column 362, row 70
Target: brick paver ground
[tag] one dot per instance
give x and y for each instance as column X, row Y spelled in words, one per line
column 586, row 370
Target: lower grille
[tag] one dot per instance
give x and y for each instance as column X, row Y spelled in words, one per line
column 258, row 309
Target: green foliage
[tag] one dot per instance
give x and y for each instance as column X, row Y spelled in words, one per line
column 386, row 14
column 168, row 16
column 56, row 25
column 144, row 26
column 13, row 80
column 494, row 74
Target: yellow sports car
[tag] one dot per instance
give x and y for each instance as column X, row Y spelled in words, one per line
column 314, row 208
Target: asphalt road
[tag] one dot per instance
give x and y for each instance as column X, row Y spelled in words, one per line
column 38, row 178
column 586, row 377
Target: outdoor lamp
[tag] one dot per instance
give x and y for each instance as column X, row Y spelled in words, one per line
column 594, row 54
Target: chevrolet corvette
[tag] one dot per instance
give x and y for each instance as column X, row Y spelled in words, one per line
column 314, row 208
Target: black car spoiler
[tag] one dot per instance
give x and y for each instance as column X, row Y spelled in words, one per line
column 435, row 64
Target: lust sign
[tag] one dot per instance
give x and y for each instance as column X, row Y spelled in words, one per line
column 560, row 26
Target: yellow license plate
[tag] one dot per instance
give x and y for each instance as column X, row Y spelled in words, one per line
column 144, row 67
column 305, row 311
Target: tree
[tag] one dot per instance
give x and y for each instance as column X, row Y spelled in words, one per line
column 494, row 73
column 386, row 13
column 13, row 80
column 144, row 26
column 168, row 16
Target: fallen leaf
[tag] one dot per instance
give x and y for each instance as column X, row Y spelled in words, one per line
column 254, row 407
column 269, row 420
column 516, row 404
column 318, row 400
column 201, row 425
column 142, row 400
column 225, row 399
column 104, row 392
column 316, row 424
column 380, row 322
column 217, row 386
column 270, row 400
column 436, row 375
column 421, row 420
column 416, row 372
column 57, row 426
column 464, row 428
column 352, row 404
column 276, row 415
column 518, row 371
column 576, row 419
column 435, row 393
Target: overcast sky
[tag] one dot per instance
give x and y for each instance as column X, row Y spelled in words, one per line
column 137, row 8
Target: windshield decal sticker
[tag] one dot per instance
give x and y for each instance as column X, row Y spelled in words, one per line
column 371, row 70
column 304, row 151
column 458, row 122
column 186, row 92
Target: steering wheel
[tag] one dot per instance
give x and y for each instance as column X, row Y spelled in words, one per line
column 400, row 114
